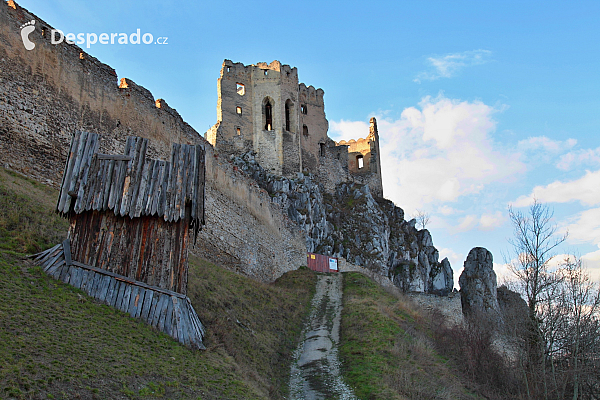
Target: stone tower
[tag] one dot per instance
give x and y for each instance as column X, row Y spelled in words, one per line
column 263, row 108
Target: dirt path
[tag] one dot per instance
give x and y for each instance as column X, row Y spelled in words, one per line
column 316, row 369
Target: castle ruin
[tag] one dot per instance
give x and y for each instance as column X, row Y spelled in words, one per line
column 263, row 108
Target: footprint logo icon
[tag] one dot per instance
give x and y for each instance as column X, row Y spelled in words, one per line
column 25, row 32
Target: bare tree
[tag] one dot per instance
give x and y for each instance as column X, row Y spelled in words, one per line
column 534, row 243
column 422, row 218
column 579, row 302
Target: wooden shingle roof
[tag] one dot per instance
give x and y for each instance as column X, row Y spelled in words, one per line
column 131, row 184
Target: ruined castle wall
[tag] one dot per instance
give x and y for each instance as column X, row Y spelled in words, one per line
column 316, row 124
column 234, row 133
column 54, row 90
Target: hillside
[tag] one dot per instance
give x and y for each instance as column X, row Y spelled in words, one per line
column 59, row 343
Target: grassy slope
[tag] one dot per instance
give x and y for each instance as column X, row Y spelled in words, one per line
column 386, row 347
column 55, row 342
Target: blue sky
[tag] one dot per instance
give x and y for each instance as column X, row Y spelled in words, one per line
column 479, row 104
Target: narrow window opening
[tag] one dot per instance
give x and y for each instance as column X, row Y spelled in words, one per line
column 266, row 72
column 360, row 162
column 303, row 109
column 81, row 55
column 305, row 130
column 238, row 130
column 238, row 110
column 322, row 149
column 228, row 69
column 44, row 30
column 241, row 89
column 287, row 116
column 268, row 116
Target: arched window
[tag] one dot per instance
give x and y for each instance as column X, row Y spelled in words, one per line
column 305, row 130
column 268, row 115
column 360, row 162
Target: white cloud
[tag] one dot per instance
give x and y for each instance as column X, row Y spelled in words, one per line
column 585, row 227
column 585, row 190
column 592, row 262
column 579, row 157
column 346, row 130
column 467, row 223
column 446, row 210
column 547, row 144
column 487, row 222
column 449, row 65
column 440, row 151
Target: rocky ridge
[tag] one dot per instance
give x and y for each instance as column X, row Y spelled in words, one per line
column 351, row 223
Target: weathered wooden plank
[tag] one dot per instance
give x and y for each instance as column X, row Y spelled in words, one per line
column 139, row 175
column 168, row 328
column 178, row 330
column 178, row 184
column 36, row 257
column 54, row 268
column 133, row 298
column 50, row 254
column 111, row 289
column 104, row 286
column 98, row 188
column 126, row 296
column 67, row 251
column 97, row 285
column 63, row 274
column 194, row 317
column 108, row 184
column 120, row 295
column 114, row 182
column 70, row 270
column 139, row 304
column 114, row 157
column 74, row 173
column 84, row 280
column 152, row 317
column 163, row 312
column 119, row 287
column 147, row 304
column 88, row 170
column 83, row 140
column 76, row 277
column 141, row 199
column 66, row 179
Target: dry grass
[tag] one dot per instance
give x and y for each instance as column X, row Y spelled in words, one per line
column 387, row 348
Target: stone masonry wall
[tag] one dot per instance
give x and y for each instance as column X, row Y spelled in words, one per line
column 52, row 91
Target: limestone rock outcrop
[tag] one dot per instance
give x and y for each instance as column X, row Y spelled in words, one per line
column 351, row 223
column 478, row 286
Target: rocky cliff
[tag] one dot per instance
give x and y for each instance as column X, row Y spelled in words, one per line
column 352, row 224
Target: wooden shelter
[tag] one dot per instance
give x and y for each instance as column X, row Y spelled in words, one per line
column 130, row 219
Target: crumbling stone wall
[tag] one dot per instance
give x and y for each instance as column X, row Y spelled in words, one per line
column 52, row 91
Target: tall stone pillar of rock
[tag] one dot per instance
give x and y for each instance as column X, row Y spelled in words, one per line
column 478, row 286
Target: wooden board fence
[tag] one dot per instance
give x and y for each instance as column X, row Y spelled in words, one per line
column 166, row 310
